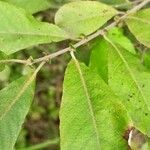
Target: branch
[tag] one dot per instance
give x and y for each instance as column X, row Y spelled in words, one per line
column 25, row 62
column 94, row 35
column 84, row 41
column 138, row 7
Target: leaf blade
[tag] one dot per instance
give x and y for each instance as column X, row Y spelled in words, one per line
column 124, row 72
column 115, row 2
column 76, row 128
column 83, row 17
column 2, row 57
column 30, row 6
column 12, row 119
column 101, row 48
column 19, row 30
column 139, row 25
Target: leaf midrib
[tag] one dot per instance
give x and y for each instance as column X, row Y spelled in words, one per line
column 29, row 34
column 88, row 98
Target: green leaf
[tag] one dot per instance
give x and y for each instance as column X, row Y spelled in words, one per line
column 5, row 74
column 129, row 80
column 118, row 37
column 99, row 58
column 19, row 30
column 13, row 110
column 99, row 55
column 139, row 25
column 32, row 6
column 83, row 17
column 114, row 2
column 146, row 59
column 2, row 56
column 90, row 116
